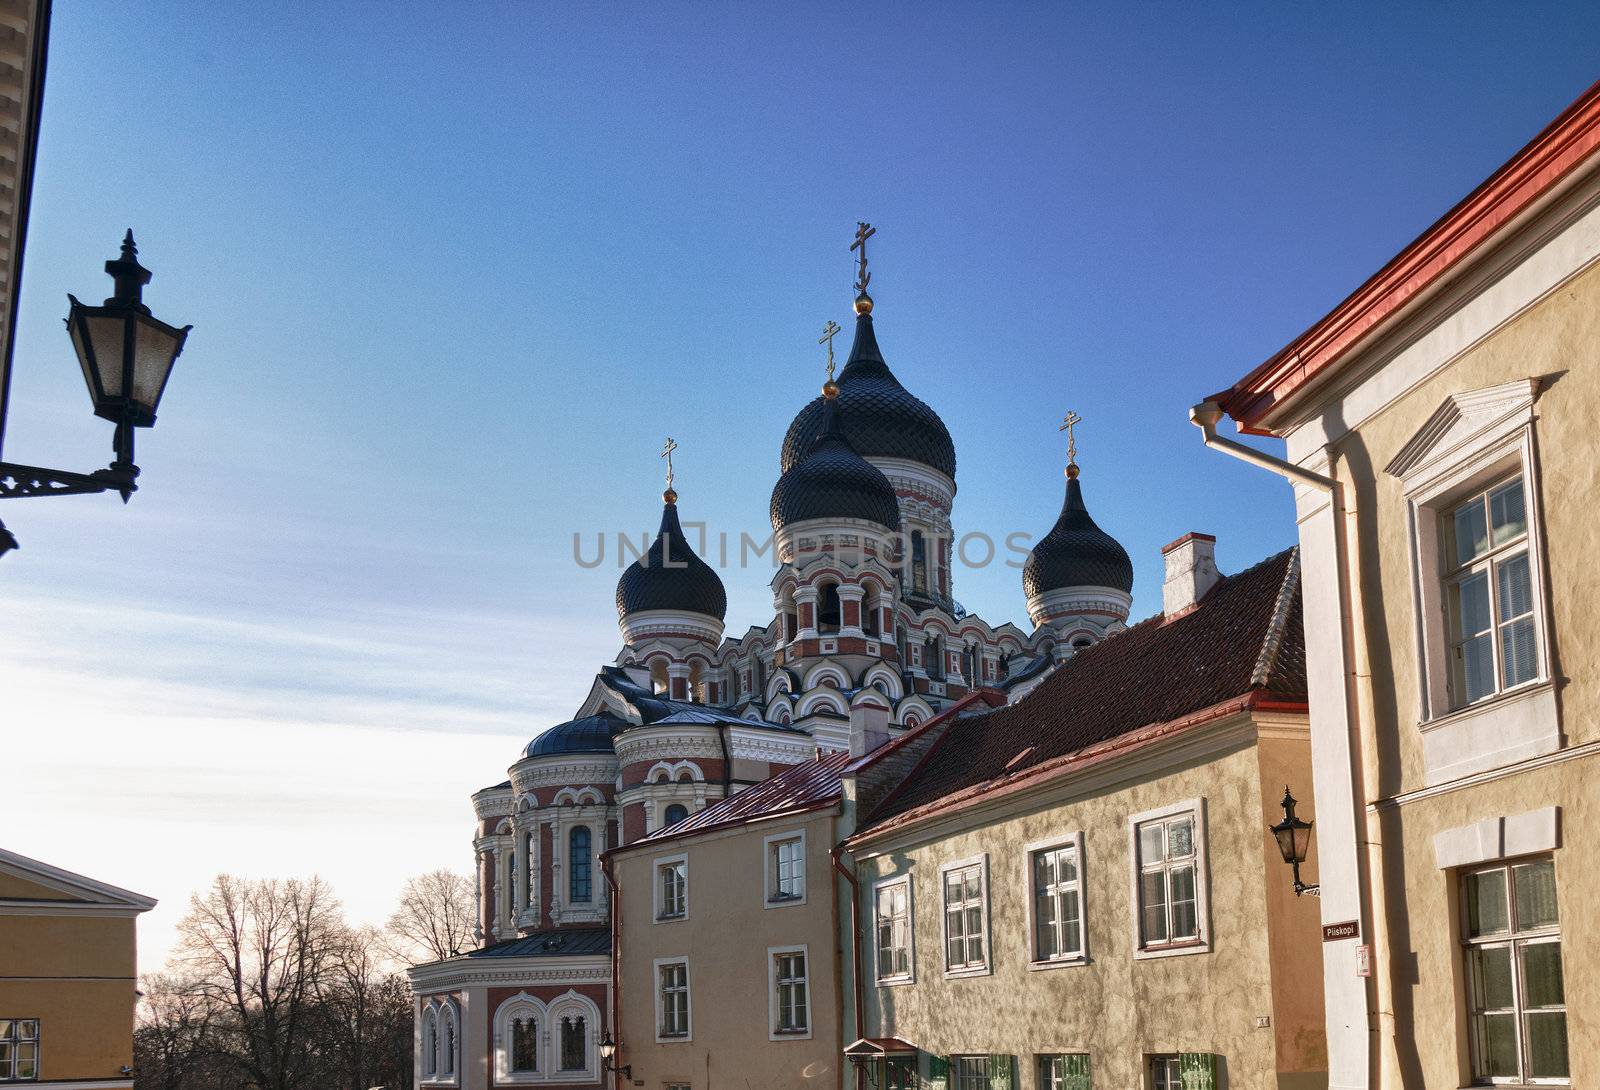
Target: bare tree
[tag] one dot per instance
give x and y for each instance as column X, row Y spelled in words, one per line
column 434, row 919
column 174, row 1044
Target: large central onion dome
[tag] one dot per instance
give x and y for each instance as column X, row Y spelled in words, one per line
column 670, row 576
column 591, row 734
column 1076, row 553
column 832, row 481
column 881, row 418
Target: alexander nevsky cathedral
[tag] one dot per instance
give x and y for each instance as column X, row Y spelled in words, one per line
column 687, row 714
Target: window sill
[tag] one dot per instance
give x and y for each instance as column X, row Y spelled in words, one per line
column 895, row 981
column 1177, row 949
column 681, row 916
column 1059, row 963
column 972, row 970
column 791, row 1035
column 1492, row 733
column 673, row 1038
column 784, row 902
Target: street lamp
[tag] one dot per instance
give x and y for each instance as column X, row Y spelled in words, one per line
column 608, row 1049
column 1294, row 839
column 126, row 354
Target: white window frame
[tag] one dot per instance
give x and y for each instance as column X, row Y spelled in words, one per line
column 1475, row 440
column 891, row 980
column 16, row 1039
column 769, row 882
column 1073, row 840
column 980, row 861
column 570, row 1003
column 657, row 865
column 1487, row 566
column 773, row 953
column 505, row 1014
column 1202, row 944
column 688, row 999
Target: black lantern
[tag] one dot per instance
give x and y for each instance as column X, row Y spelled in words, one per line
column 1294, row 840
column 608, row 1049
column 126, row 355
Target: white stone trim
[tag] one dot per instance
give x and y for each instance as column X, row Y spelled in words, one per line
column 90, row 895
column 1497, row 838
column 910, row 975
column 504, row 1015
column 568, row 1003
column 768, row 878
column 1074, row 840
column 655, row 988
column 655, row 883
column 981, row 861
column 772, row 992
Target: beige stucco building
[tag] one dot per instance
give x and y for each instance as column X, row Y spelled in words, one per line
column 67, row 977
column 1080, row 889
column 1440, row 429
column 728, row 932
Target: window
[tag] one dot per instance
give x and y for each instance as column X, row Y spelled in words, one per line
column 919, row 564
column 786, row 868
column 970, row 1072
column 574, row 1043
column 933, row 658
column 675, row 813
column 524, row 1045
column 672, row 999
column 1068, row 1072
column 19, row 1049
column 1168, row 847
column 580, row 885
column 891, row 914
column 430, row 1044
column 1488, row 581
column 1164, row 1073
column 449, row 1042
column 1516, row 995
column 672, row 888
column 1057, row 902
column 828, row 609
column 965, row 917
column 791, row 995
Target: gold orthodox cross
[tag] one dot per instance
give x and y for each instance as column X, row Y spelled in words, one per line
column 666, row 452
column 864, row 231
column 1068, row 422
column 829, row 332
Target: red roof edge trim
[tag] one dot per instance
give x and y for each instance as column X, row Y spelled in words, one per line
column 989, row 790
column 1538, row 168
column 655, row 840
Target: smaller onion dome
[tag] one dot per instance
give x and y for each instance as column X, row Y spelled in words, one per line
column 671, row 576
column 1076, row 553
column 832, row 481
column 591, row 734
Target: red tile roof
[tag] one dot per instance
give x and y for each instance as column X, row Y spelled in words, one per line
column 1244, row 638
column 807, row 786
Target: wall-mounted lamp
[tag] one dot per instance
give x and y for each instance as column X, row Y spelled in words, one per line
column 1294, row 840
column 608, row 1049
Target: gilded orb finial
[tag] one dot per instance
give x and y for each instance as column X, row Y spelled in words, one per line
column 1068, row 422
column 670, row 495
column 864, row 231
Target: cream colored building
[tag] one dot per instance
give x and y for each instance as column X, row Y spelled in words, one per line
column 1080, row 889
column 728, row 931
column 67, row 977
column 1441, row 433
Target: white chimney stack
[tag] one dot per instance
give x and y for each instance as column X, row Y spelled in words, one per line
column 869, row 722
column 1191, row 572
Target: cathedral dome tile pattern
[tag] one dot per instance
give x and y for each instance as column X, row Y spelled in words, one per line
column 591, row 734
column 833, row 482
column 1076, row 553
column 671, row 576
column 881, row 417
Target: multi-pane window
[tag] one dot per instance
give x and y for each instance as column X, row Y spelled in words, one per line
column 449, row 1044
column 1494, row 642
column 676, row 812
column 899, row 1073
column 892, row 924
column 1068, row 1072
column 524, row 1045
column 673, row 998
column 580, row 865
column 1164, row 1073
column 1057, row 904
column 791, row 1001
column 672, row 889
column 574, row 1043
column 969, row 1072
column 19, row 1049
column 1517, row 998
column 786, row 869
column 1169, row 908
column 964, row 923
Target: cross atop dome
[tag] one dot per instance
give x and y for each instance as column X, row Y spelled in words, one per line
column 1068, row 422
column 864, row 231
column 670, row 495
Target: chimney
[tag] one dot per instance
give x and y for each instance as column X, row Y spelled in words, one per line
column 1191, row 572
column 869, row 722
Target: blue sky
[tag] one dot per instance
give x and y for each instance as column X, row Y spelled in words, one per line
column 455, row 273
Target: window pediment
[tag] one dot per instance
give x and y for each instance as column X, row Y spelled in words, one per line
column 1461, row 424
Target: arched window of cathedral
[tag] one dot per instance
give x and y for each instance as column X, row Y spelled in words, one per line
column 1081, row 642
column 574, row 1050
column 675, row 813
column 758, row 672
column 902, row 642
column 448, row 1017
column 524, row 1045
column 430, row 1043
column 969, row 664
column 871, row 605
column 533, row 847
column 697, row 682
column 580, row 886
column 933, row 657
column 828, row 608
column 919, row 563
column 658, row 676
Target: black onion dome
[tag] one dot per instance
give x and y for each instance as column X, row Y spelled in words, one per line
column 671, row 576
column 881, row 417
column 832, row 481
column 591, row 734
column 1076, row 553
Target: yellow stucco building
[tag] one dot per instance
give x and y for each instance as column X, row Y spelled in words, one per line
column 1440, row 431
column 67, row 977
